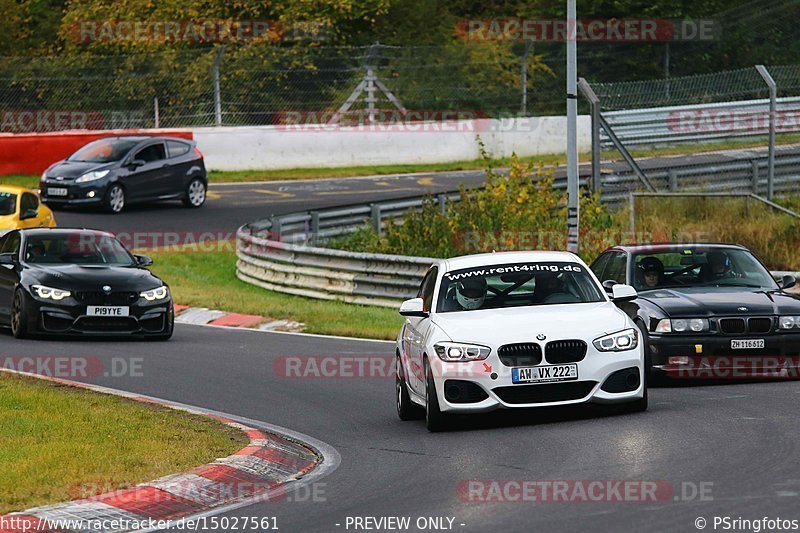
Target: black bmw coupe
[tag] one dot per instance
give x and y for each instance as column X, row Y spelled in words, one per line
column 79, row 282
column 707, row 310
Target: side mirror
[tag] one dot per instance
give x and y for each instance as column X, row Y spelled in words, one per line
column 136, row 163
column 623, row 293
column 787, row 281
column 30, row 213
column 143, row 260
column 414, row 307
column 8, row 259
column 608, row 285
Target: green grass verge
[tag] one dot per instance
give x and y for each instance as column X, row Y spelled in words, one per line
column 478, row 164
column 208, row 279
column 61, row 442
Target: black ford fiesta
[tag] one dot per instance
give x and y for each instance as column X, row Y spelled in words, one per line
column 79, row 282
column 118, row 171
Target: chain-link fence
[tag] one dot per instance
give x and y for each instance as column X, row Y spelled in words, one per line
column 259, row 85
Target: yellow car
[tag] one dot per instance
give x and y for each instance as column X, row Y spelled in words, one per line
column 22, row 208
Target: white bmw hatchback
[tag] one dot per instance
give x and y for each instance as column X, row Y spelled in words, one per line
column 516, row 330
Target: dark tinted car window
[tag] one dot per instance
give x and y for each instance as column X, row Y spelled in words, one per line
column 77, row 248
column 154, row 152
column 104, row 151
column 616, row 268
column 177, row 148
column 599, row 265
column 11, row 245
column 29, row 202
column 8, row 203
column 426, row 291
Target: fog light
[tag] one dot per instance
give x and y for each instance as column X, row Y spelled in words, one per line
column 679, row 360
column 90, row 194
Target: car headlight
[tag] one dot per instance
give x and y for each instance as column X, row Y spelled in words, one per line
column 49, row 293
column 455, row 351
column 92, row 176
column 788, row 322
column 627, row 339
column 155, row 294
column 682, row 325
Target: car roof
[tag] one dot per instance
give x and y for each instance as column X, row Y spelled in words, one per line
column 502, row 258
column 62, row 231
column 140, row 138
column 15, row 189
column 661, row 247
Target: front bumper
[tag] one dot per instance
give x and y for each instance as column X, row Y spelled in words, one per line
column 712, row 357
column 77, row 193
column 69, row 317
column 597, row 372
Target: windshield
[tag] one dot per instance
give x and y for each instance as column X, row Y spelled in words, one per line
column 8, row 203
column 103, row 151
column 693, row 267
column 517, row 285
column 78, row 249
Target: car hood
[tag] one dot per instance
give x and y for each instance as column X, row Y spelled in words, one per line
column 704, row 302
column 74, row 169
column 523, row 324
column 92, row 278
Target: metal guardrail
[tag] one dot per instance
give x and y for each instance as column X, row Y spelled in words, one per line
column 699, row 123
column 360, row 278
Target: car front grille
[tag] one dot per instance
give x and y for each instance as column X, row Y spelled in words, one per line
column 107, row 324
column 521, row 354
column 557, row 392
column 101, row 298
column 565, row 351
column 731, row 325
column 759, row 325
column 737, row 326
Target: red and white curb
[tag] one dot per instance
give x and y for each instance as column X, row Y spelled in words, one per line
column 201, row 316
column 275, row 462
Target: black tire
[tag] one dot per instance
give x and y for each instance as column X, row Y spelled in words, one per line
column 195, row 195
column 19, row 315
column 435, row 419
column 114, row 201
column 650, row 376
column 406, row 409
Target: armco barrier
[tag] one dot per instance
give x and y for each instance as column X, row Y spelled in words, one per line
column 372, row 279
column 33, row 153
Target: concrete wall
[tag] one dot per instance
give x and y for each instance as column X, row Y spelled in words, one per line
column 282, row 147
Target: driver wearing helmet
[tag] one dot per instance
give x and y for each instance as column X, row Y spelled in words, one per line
column 719, row 266
column 471, row 293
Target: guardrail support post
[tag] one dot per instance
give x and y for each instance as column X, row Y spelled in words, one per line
column 773, row 96
column 754, row 172
column 275, row 228
column 632, row 220
column 375, row 212
column 594, row 103
column 314, row 228
column 442, row 199
column 673, row 180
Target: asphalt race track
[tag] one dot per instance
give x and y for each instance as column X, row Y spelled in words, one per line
column 740, row 437
column 740, row 440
